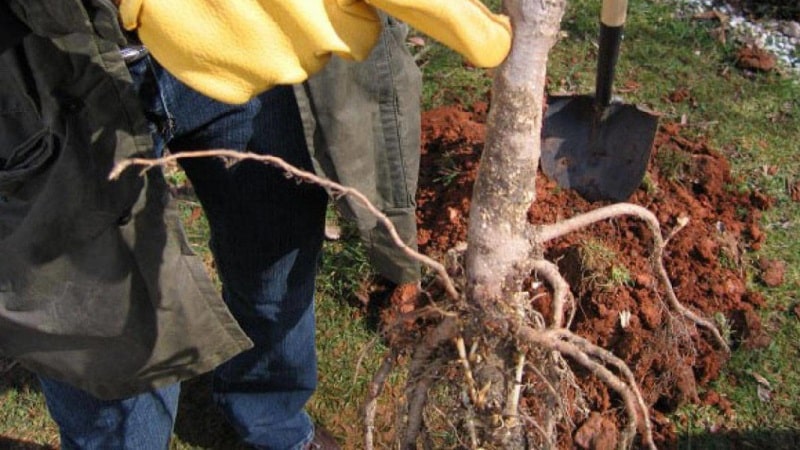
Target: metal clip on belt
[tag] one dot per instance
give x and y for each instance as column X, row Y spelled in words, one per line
column 133, row 53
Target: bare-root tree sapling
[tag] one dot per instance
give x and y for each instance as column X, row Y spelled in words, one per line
column 490, row 331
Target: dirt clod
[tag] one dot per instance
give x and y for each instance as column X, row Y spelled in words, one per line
column 754, row 58
column 597, row 433
column 772, row 271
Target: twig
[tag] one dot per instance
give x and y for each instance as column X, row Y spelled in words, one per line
column 374, row 391
column 336, row 190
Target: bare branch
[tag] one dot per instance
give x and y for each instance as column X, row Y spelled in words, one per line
column 336, row 190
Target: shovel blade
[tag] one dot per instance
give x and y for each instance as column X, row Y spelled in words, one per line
column 602, row 155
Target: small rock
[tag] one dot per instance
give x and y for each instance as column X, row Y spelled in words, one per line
column 791, row 29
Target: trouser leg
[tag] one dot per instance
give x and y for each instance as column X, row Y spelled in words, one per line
column 141, row 422
column 266, row 239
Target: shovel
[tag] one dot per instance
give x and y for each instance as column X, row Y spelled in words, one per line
column 589, row 144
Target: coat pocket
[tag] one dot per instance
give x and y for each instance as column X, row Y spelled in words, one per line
column 25, row 160
column 27, row 144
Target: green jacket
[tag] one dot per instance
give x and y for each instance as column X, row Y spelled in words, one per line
column 98, row 287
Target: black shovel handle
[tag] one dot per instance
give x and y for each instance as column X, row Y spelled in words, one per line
column 612, row 22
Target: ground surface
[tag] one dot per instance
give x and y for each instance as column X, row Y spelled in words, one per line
column 607, row 265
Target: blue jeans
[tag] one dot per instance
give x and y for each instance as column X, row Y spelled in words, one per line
column 266, row 237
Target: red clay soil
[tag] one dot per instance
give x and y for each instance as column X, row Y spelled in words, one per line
column 672, row 360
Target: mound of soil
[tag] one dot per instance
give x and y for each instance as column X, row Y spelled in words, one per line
column 608, row 264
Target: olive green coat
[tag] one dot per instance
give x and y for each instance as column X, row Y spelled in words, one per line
column 97, row 285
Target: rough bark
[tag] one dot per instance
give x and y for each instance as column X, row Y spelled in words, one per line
column 499, row 240
column 499, row 235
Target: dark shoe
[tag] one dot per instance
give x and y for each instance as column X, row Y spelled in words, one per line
column 323, row 440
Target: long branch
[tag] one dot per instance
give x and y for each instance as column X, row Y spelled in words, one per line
column 336, row 190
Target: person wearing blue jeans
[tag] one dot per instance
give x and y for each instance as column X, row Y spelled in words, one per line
column 266, row 237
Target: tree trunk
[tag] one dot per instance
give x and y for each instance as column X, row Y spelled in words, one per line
column 499, row 234
column 500, row 238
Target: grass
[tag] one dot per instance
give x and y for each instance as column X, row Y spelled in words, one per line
column 598, row 268
column 753, row 118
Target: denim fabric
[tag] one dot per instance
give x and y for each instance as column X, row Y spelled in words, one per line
column 266, row 236
column 142, row 422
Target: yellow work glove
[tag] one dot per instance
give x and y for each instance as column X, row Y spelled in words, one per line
column 466, row 26
column 232, row 50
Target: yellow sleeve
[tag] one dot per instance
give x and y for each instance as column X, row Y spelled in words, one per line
column 232, row 50
column 466, row 26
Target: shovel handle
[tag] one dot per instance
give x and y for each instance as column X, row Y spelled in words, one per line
column 612, row 22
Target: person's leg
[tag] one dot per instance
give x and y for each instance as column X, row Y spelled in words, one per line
column 86, row 423
column 266, row 238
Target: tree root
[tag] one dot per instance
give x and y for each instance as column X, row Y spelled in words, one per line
column 334, row 189
column 373, row 393
column 546, row 233
column 416, row 405
column 581, row 351
column 419, row 374
column 561, row 291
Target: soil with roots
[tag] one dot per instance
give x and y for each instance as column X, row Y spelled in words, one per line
column 619, row 303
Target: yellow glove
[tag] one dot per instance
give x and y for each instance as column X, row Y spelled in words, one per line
column 466, row 26
column 234, row 49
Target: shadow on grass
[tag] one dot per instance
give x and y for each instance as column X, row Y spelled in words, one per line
column 14, row 377
column 13, row 444
column 200, row 424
